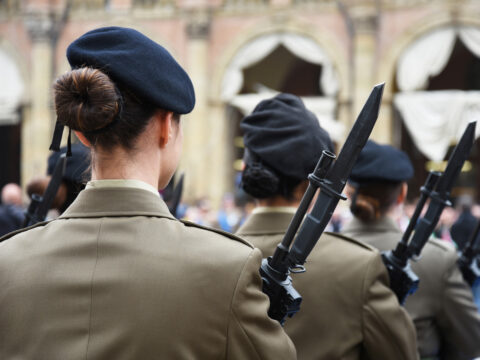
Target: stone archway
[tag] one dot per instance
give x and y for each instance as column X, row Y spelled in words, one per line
column 233, row 100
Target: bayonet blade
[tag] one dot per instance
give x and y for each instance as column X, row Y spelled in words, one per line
column 335, row 180
column 457, row 159
column 356, row 139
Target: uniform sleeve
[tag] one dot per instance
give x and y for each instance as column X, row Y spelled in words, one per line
column 251, row 333
column 459, row 319
column 388, row 331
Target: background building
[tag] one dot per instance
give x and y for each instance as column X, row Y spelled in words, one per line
column 239, row 51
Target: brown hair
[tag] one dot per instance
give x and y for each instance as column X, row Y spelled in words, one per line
column 372, row 201
column 87, row 100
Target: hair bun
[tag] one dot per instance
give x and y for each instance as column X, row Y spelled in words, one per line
column 365, row 208
column 86, row 99
column 259, row 182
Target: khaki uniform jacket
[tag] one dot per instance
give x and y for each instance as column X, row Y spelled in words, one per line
column 445, row 316
column 117, row 277
column 347, row 312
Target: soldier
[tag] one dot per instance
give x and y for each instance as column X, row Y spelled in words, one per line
column 116, row 276
column 348, row 310
column 445, row 317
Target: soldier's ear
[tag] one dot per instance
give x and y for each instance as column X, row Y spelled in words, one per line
column 82, row 139
column 164, row 124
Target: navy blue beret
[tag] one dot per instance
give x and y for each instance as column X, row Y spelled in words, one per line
column 132, row 59
column 284, row 135
column 77, row 169
column 381, row 163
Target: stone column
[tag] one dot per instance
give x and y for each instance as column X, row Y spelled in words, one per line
column 37, row 127
column 365, row 19
column 199, row 140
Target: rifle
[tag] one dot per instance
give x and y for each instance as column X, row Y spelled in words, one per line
column 469, row 263
column 331, row 179
column 403, row 281
column 39, row 206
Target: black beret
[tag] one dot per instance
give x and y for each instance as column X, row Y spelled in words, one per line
column 78, row 164
column 381, row 163
column 284, row 135
column 132, row 59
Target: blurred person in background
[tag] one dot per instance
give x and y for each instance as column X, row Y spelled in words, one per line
column 11, row 209
column 445, row 316
column 464, row 226
column 348, row 311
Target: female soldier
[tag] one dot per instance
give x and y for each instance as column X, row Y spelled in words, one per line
column 348, row 311
column 447, row 323
column 117, row 276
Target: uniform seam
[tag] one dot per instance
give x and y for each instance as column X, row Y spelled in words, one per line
column 91, row 290
column 232, row 307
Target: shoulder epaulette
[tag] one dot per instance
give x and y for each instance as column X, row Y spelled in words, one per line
column 352, row 240
column 221, row 232
column 13, row 233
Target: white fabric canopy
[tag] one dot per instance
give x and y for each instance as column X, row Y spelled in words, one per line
column 11, row 90
column 322, row 107
column 436, row 119
column 253, row 52
column 429, row 55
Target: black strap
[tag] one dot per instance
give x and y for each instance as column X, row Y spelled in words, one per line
column 57, row 137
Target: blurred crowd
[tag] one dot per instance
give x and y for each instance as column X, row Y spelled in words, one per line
column 456, row 222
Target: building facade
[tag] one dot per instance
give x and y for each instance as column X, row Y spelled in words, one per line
column 239, row 51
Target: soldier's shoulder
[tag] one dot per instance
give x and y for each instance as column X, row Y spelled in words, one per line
column 345, row 241
column 440, row 245
column 23, row 230
column 439, row 251
column 208, row 231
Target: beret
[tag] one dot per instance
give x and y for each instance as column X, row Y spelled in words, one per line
column 135, row 61
column 284, row 135
column 78, row 164
column 381, row 163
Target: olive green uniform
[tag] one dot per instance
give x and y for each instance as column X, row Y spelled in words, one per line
column 445, row 316
column 118, row 277
column 348, row 311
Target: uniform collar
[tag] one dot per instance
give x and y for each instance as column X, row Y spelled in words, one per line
column 266, row 222
column 117, row 201
column 127, row 183
column 274, row 209
column 381, row 225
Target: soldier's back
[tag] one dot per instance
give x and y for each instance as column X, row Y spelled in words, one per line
column 347, row 311
column 446, row 319
column 117, row 277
